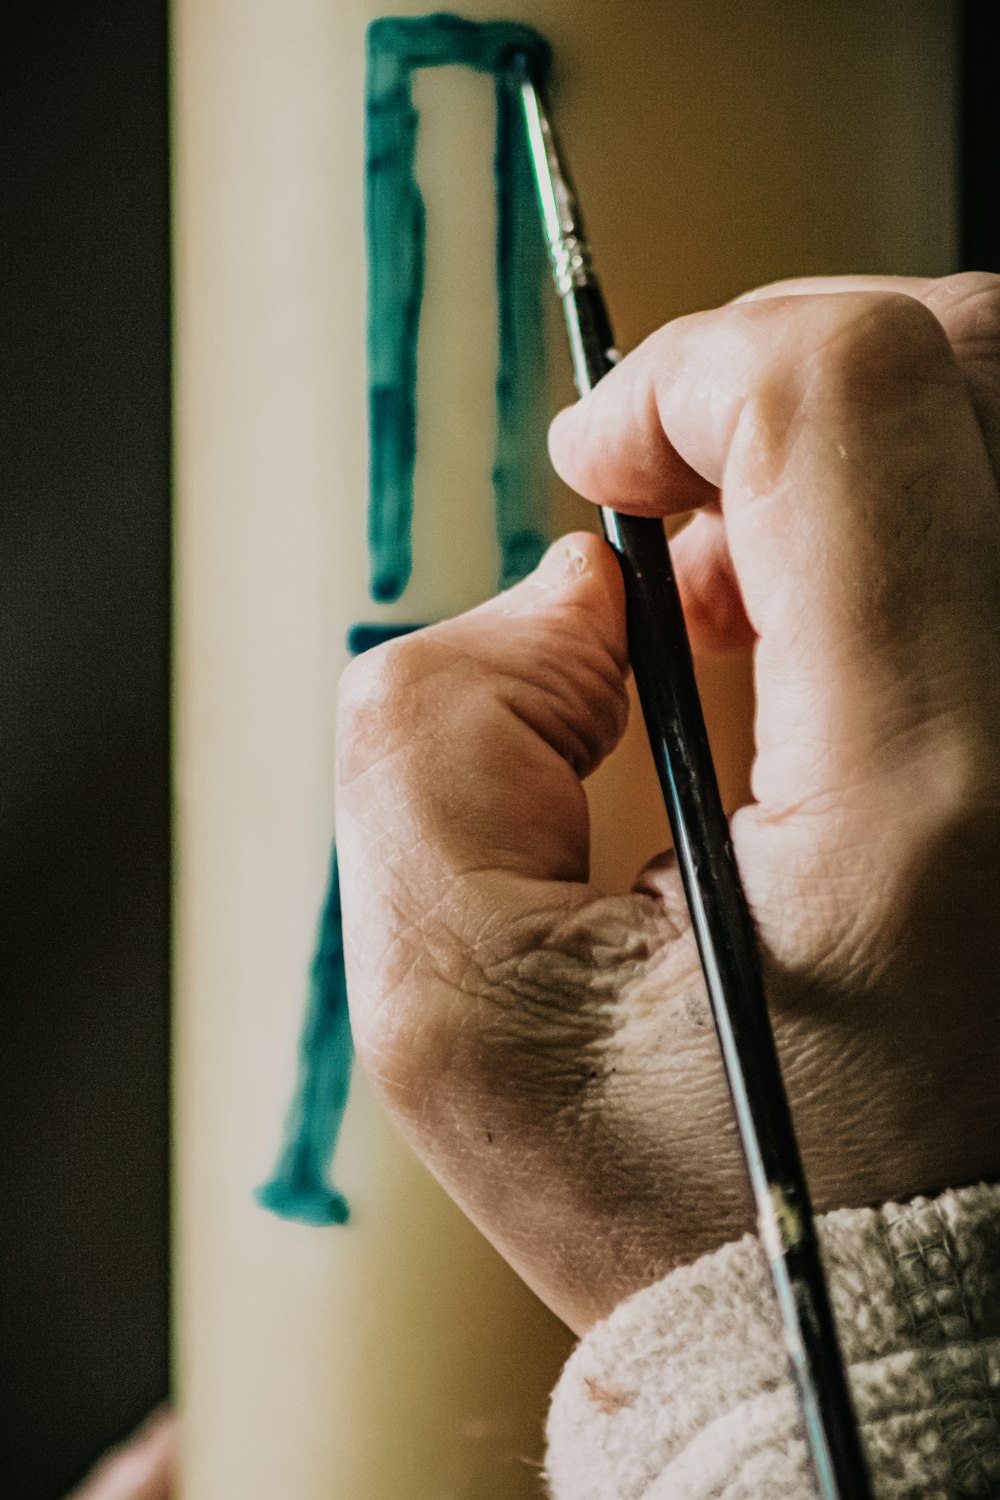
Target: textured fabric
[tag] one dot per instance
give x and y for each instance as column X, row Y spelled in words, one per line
column 682, row 1393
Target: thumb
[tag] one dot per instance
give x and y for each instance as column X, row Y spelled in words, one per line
column 484, row 971
column 461, row 750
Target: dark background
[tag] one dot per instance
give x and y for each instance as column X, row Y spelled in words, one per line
column 84, row 657
column 979, row 136
column 84, row 588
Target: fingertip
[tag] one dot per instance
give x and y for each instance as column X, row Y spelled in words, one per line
column 610, row 447
column 563, row 447
column 573, row 556
column 579, row 574
column 581, row 563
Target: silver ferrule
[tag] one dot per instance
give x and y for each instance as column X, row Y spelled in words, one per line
column 571, row 263
column 567, row 242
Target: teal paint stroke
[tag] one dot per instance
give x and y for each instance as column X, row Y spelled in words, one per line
column 299, row 1187
column 395, row 231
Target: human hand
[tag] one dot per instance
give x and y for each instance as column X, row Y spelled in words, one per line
column 141, row 1469
column 546, row 1048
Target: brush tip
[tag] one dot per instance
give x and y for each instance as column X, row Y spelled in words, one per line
column 519, row 63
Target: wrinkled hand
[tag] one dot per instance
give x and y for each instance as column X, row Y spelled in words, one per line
column 545, row 1047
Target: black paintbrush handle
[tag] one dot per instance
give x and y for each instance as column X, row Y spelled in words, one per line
column 668, row 692
column 661, row 657
column 661, row 660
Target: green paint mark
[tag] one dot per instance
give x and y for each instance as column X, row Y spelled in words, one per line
column 395, row 231
column 299, row 1188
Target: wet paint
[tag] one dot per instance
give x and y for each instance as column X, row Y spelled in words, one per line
column 395, row 231
column 300, row 1186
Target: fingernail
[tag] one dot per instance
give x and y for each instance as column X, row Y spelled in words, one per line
column 563, row 563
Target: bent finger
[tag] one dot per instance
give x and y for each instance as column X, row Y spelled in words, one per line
column 483, row 968
column 461, row 751
column 967, row 306
column 714, row 612
column 860, row 507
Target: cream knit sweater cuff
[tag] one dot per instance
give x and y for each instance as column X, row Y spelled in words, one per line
column 682, row 1393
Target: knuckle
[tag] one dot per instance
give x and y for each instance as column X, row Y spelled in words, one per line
column 884, row 343
column 374, row 679
column 966, row 285
column 968, row 307
column 375, row 700
column 868, row 352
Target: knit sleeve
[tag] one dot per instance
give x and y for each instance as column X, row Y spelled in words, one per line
column 682, row 1393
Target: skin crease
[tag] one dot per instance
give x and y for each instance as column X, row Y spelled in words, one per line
column 546, row 1048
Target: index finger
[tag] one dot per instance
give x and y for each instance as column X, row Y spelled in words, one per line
column 657, row 479
column 859, row 504
column 674, row 405
column 966, row 305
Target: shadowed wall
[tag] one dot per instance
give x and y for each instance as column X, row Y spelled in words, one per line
column 84, row 509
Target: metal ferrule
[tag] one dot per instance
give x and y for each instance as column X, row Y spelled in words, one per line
column 571, row 263
column 569, row 251
column 668, row 692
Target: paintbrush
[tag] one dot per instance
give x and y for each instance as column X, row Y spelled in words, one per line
column 665, row 679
